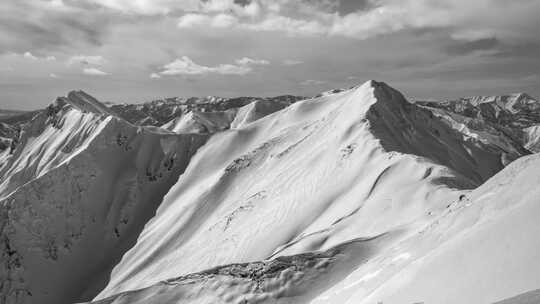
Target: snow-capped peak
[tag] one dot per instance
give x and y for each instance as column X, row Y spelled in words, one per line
column 82, row 101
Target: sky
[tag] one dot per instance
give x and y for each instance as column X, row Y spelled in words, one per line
column 139, row 50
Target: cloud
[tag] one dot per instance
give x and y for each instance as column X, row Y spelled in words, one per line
column 94, row 72
column 312, row 82
column 288, row 25
column 292, row 62
column 86, row 60
column 53, row 75
column 148, row 7
column 484, row 45
column 29, row 55
column 465, row 19
column 193, row 20
column 155, row 76
column 199, row 20
column 50, row 25
column 248, row 61
column 273, row 23
column 186, row 66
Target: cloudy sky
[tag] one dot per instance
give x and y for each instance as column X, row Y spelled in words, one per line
column 136, row 50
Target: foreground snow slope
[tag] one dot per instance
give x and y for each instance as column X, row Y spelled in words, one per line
column 286, row 279
column 74, row 196
column 482, row 249
column 356, row 164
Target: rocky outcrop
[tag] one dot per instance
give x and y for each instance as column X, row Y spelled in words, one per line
column 285, row 279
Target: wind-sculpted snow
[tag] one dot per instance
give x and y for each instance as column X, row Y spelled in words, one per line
column 346, row 165
column 354, row 196
column 76, row 193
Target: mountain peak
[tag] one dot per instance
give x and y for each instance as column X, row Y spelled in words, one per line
column 82, row 101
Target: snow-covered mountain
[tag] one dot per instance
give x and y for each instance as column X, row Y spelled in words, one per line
column 515, row 116
column 353, row 196
column 75, row 194
column 162, row 111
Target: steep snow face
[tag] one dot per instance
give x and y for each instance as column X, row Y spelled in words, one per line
column 354, row 164
column 75, row 195
column 53, row 136
column 509, row 115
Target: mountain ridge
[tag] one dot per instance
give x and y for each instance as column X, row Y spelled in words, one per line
column 328, row 199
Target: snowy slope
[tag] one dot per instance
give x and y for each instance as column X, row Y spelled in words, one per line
column 75, row 194
column 354, row 164
column 482, row 250
column 354, row 196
